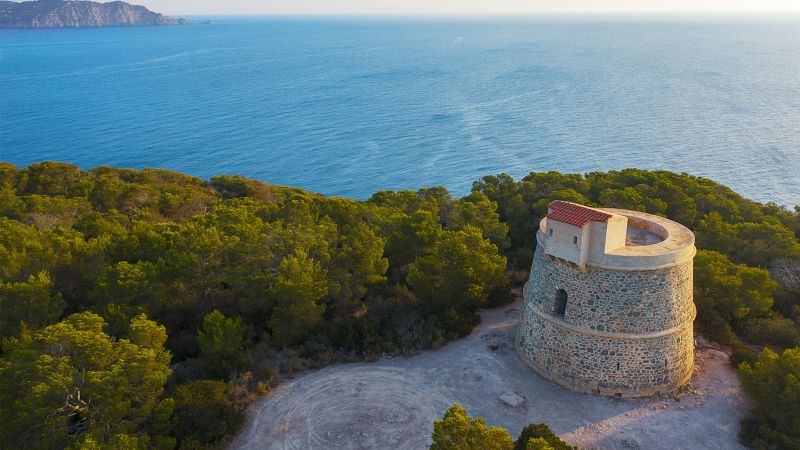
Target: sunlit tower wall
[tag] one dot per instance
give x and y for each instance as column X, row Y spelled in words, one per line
column 608, row 307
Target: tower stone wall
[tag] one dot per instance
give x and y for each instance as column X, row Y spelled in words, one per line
column 619, row 323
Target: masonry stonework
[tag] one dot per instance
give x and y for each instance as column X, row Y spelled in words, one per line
column 615, row 322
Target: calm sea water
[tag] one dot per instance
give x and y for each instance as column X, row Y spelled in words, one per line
column 350, row 106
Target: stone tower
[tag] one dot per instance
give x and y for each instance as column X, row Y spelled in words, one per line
column 608, row 306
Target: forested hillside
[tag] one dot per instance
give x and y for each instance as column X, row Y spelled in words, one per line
column 147, row 308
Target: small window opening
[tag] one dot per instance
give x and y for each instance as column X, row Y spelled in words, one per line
column 561, row 302
column 665, row 363
column 551, row 231
column 617, row 366
column 575, row 240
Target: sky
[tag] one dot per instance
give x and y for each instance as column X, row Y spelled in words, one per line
column 413, row 7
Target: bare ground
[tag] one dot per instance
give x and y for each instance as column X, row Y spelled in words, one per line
column 393, row 403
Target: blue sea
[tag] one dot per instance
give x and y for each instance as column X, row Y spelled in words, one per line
column 348, row 106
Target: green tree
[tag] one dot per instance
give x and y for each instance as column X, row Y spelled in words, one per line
column 54, row 178
column 8, row 174
column 511, row 208
column 680, row 207
column 757, row 244
column 412, row 235
column 125, row 290
column 776, row 331
column 26, row 250
column 220, row 340
column 539, row 436
column 11, row 205
column 714, row 233
column 70, row 383
column 537, row 444
column 296, row 290
column 33, row 303
column 458, row 431
column 627, row 198
column 462, row 271
column 477, row 210
column 204, row 413
column 233, row 186
column 357, row 263
column 774, row 382
column 730, row 291
column 409, row 202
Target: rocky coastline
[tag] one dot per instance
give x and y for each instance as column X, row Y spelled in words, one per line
column 78, row 14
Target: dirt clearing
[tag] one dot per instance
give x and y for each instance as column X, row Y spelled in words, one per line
column 392, row 403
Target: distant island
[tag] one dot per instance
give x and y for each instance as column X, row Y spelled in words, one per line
column 75, row 14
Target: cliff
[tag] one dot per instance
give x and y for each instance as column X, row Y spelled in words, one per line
column 72, row 14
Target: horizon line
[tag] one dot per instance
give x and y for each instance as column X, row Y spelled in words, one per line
column 500, row 13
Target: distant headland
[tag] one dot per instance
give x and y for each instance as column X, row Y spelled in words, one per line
column 76, row 14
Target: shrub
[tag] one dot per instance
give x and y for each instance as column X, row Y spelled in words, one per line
column 541, row 434
column 774, row 382
column 203, row 413
column 458, row 431
column 776, row 331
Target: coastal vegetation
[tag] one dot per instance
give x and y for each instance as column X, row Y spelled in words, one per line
column 147, row 308
column 458, row 431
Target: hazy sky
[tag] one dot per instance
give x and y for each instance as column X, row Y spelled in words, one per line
column 456, row 6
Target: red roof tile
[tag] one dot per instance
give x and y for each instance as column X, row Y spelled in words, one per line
column 575, row 214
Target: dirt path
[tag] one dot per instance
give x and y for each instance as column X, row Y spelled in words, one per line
column 392, row 403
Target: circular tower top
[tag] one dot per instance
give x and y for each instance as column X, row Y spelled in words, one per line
column 610, row 238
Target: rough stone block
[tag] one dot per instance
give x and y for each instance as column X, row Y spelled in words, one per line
column 511, row 399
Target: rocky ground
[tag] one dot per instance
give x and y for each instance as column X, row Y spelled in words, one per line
column 786, row 271
column 392, row 403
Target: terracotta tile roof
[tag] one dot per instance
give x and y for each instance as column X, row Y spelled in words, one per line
column 575, row 214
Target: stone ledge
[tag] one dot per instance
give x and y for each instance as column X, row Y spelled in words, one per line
column 682, row 260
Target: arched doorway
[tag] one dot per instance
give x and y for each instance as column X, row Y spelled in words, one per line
column 561, row 303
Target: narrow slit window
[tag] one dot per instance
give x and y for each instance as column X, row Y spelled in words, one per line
column 575, row 240
column 617, row 366
column 551, row 231
column 561, row 303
